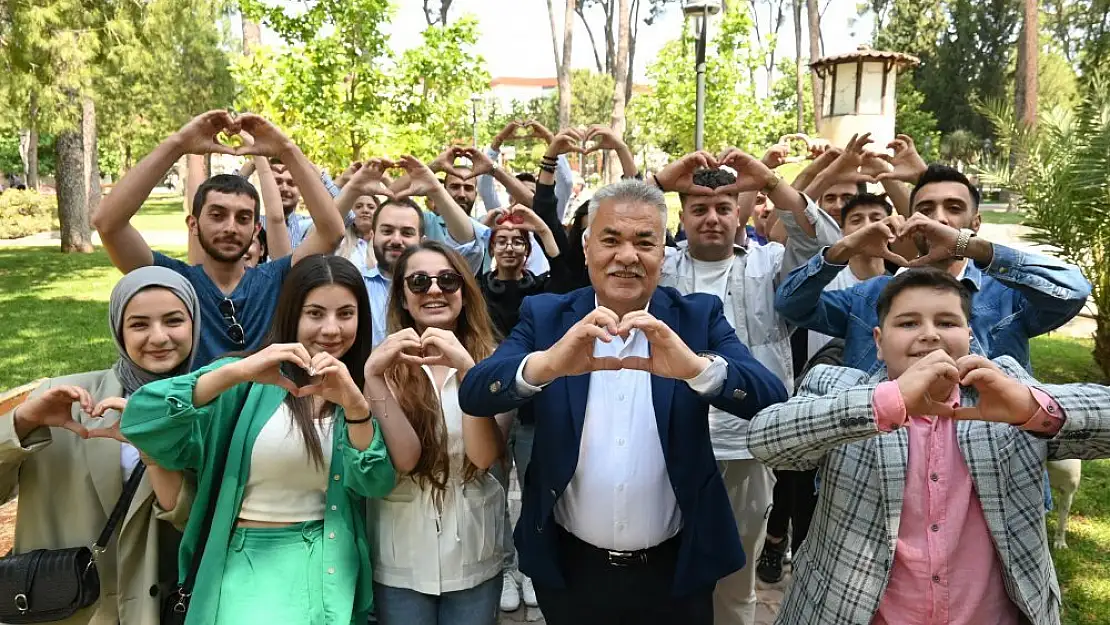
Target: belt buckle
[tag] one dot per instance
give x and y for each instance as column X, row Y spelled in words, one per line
column 626, row 558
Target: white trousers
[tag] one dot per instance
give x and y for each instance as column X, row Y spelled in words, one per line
column 750, row 485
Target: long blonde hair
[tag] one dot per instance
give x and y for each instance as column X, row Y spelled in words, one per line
column 415, row 394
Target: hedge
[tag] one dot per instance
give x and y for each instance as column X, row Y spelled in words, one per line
column 23, row 213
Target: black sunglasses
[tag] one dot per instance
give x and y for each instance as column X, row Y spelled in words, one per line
column 448, row 282
column 234, row 329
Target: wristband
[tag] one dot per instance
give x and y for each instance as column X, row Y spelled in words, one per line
column 358, row 421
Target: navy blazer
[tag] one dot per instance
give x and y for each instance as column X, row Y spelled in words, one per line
column 709, row 542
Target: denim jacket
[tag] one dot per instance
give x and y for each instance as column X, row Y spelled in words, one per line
column 1018, row 296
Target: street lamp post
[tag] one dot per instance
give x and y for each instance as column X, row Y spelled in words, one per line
column 474, row 99
column 700, row 10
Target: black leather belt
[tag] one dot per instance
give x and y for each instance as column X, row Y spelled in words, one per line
column 640, row 557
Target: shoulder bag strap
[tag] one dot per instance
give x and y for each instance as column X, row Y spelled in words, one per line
column 122, row 504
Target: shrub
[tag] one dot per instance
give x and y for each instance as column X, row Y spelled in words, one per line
column 24, row 213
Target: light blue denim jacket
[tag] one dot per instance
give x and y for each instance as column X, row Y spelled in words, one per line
column 1019, row 296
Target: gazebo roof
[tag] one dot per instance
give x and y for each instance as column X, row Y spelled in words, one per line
column 865, row 53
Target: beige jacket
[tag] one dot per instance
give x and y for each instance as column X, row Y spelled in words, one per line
column 67, row 489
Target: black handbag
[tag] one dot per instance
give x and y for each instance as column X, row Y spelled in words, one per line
column 176, row 605
column 47, row 585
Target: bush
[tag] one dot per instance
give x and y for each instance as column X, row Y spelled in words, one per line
column 24, row 213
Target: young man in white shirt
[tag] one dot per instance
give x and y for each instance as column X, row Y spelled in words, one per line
column 744, row 276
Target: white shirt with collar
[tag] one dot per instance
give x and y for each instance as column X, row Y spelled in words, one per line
column 620, row 496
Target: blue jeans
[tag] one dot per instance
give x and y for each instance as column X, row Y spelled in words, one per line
column 479, row 605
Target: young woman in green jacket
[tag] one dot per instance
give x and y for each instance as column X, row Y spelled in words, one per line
column 287, row 543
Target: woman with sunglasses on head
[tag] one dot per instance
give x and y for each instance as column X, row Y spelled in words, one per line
column 68, row 485
column 436, row 538
column 286, row 441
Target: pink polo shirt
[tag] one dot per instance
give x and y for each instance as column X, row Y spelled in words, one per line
column 946, row 570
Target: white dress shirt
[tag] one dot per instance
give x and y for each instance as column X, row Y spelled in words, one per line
column 620, row 497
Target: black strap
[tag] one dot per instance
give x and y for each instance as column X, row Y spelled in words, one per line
column 122, row 504
column 213, row 497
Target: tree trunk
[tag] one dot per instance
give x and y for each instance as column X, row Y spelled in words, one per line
column 798, row 65
column 815, row 53
column 1025, row 88
column 620, row 74
column 564, row 62
column 33, row 145
column 252, row 35
column 90, row 162
column 633, row 34
column 72, row 183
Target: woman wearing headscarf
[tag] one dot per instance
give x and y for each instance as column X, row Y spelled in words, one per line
column 70, row 468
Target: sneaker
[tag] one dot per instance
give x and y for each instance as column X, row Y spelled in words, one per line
column 529, row 592
column 510, row 594
column 769, row 568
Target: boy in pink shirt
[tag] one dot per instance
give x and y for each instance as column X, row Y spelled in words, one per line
column 930, row 510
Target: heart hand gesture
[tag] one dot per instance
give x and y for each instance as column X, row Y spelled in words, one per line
column 445, row 161
column 927, row 385
column 568, row 140
column 54, row 409
column 199, row 135
column 421, row 181
column 539, row 131
column 940, row 239
column 481, row 164
column 873, row 240
column 908, row 166
column 777, row 156
column 846, row 166
column 334, row 384
column 269, row 141
column 264, row 367
column 1002, row 399
column 751, row 174
column 679, row 175
column 507, row 133
column 112, row 431
column 400, row 345
column 369, row 178
column 669, row 355
column 604, row 138
column 442, row 347
column 573, row 354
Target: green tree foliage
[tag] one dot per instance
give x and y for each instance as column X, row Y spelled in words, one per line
column 734, row 115
column 972, row 60
column 784, row 97
column 169, row 63
column 326, row 88
column 913, row 119
column 341, row 94
column 430, row 94
column 1062, row 176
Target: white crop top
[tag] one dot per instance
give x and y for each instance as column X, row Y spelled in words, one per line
column 285, row 484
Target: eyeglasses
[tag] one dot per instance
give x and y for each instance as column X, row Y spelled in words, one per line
column 234, row 329
column 517, row 244
column 448, row 282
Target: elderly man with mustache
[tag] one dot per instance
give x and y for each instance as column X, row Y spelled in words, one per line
column 625, row 516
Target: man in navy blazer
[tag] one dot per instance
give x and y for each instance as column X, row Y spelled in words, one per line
column 625, row 516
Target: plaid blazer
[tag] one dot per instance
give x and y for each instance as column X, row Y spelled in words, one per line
column 843, row 567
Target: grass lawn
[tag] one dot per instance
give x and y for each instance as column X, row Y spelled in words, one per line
column 1002, row 217
column 161, row 212
column 54, row 311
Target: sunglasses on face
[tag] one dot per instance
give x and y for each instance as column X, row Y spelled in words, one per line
column 448, row 282
column 234, row 329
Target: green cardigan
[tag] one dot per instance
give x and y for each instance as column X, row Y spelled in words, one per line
column 161, row 420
